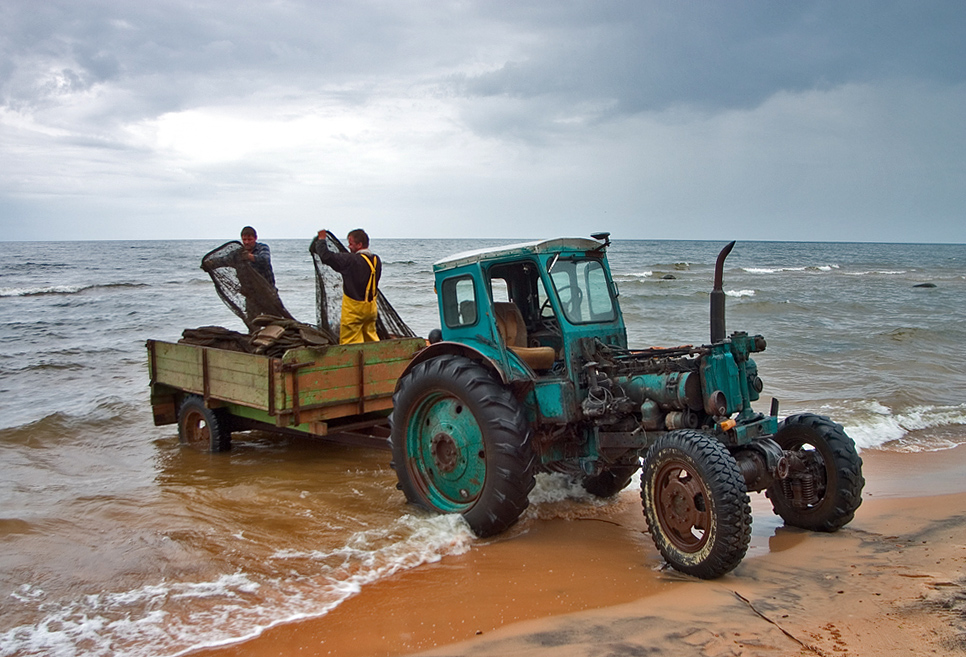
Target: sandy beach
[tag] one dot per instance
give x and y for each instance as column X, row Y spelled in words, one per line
column 586, row 581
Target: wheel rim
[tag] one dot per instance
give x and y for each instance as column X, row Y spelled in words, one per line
column 447, row 456
column 195, row 429
column 682, row 506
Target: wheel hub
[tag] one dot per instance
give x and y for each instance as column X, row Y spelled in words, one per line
column 682, row 507
column 445, row 453
column 197, row 433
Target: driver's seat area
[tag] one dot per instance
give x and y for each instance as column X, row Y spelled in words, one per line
column 509, row 321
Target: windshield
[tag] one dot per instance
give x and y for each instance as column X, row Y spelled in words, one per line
column 582, row 288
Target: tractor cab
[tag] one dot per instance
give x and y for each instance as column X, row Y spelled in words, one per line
column 525, row 307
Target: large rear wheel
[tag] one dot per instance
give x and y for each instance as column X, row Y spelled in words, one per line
column 461, row 444
column 202, row 428
column 824, row 488
column 696, row 503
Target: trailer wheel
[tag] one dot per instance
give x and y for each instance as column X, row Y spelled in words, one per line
column 609, row 482
column 696, row 503
column 461, row 444
column 203, row 428
column 824, row 488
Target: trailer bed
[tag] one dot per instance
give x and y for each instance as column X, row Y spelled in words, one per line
column 313, row 390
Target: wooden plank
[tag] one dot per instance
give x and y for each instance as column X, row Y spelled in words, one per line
column 316, row 384
column 346, row 355
column 239, row 377
column 346, row 393
column 318, row 387
column 346, row 409
column 232, row 376
column 179, row 366
column 334, row 376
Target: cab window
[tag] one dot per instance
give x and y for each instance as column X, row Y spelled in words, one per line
column 459, row 302
column 583, row 292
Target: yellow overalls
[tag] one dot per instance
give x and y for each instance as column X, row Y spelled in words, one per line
column 359, row 317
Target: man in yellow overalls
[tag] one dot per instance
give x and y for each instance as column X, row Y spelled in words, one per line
column 360, row 269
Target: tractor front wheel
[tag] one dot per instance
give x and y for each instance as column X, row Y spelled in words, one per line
column 824, row 488
column 461, row 444
column 696, row 503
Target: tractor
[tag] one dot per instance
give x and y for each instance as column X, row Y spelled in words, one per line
column 530, row 372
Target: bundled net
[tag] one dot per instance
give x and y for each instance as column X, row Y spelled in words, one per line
column 328, row 297
column 274, row 336
column 242, row 288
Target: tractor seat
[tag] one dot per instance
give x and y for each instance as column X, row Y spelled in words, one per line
column 509, row 321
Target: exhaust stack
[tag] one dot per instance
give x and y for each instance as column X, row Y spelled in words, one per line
column 718, row 297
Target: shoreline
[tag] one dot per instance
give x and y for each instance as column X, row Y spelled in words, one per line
column 893, row 581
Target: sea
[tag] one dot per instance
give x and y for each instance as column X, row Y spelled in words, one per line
column 115, row 540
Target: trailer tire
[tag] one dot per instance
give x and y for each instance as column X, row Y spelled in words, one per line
column 461, row 443
column 834, row 472
column 611, row 481
column 696, row 504
column 202, row 428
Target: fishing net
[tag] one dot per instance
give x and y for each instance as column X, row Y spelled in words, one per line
column 242, row 288
column 328, row 296
column 273, row 337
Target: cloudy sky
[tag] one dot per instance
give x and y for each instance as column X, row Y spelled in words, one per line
column 128, row 119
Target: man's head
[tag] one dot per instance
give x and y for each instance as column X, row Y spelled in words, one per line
column 358, row 240
column 248, row 238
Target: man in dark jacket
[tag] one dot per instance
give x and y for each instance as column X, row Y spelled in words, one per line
column 258, row 254
column 361, row 270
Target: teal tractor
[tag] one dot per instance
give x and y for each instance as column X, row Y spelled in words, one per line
column 530, row 372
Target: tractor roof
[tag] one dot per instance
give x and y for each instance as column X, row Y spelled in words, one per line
column 557, row 245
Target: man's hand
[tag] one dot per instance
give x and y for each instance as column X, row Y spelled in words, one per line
column 323, row 234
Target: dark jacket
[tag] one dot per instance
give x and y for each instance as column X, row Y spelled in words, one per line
column 354, row 269
column 263, row 262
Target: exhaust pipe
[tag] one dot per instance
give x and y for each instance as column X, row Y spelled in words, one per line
column 718, row 297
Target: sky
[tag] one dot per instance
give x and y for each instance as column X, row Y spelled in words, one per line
column 523, row 119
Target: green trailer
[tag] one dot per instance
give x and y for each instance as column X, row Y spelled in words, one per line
column 340, row 392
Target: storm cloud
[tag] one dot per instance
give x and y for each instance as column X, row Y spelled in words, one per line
column 696, row 120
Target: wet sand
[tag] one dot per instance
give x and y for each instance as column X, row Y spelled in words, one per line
column 588, row 581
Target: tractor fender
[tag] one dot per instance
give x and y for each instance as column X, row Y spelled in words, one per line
column 456, row 349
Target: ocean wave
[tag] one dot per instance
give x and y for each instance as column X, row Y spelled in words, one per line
column 780, row 270
column 60, row 290
column 71, row 359
column 177, row 618
column 877, row 272
column 60, row 426
column 873, row 425
column 739, row 293
column 23, row 267
column 770, row 270
column 681, row 265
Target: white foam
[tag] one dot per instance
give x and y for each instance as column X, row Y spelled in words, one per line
column 770, row 270
column 740, row 293
column 36, row 291
column 551, row 488
column 871, row 425
column 172, row 618
column 555, row 487
column 779, row 270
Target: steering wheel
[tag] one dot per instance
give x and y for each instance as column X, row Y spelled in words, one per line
column 544, row 306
